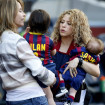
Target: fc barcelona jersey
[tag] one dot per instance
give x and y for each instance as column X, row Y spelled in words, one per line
column 84, row 54
column 41, row 45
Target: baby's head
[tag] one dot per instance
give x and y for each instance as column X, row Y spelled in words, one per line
column 95, row 46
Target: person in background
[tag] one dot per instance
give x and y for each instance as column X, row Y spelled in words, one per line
column 42, row 45
column 102, row 63
column 70, row 31
column 18, row 64
column 89, row 53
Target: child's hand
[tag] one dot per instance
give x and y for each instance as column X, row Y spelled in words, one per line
column 27, row 30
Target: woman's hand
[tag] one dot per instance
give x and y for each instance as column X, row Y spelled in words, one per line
column 72, row 67
column 90, row 68
column 53, row 83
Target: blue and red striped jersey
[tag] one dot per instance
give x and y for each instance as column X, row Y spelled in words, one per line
column 84, row 54
column 41, row 45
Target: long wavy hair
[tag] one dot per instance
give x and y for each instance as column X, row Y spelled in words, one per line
column 80, row 27
column 8, row 11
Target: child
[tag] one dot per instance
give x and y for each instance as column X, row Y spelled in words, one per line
column 89, row 53
column 41, row 44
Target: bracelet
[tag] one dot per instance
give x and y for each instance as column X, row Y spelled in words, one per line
column 80, row 62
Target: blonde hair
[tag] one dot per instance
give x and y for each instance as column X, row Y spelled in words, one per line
column 80, row 27
column 8, row 11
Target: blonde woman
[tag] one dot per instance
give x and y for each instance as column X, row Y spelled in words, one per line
column 18, row 64
column 72, row 30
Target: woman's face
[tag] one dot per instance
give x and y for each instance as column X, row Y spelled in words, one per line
column 65, row 26
column 20, row 16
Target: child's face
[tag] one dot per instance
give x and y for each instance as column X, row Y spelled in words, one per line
column 20, row 16
column 65, row 26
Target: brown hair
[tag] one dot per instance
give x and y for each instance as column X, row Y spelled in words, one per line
column 39, row 21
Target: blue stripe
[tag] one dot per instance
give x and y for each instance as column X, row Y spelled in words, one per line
column 27, row 37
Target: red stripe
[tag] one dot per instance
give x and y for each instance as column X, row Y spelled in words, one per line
column 25, row 35
column 71, row 97
column 78, row 49
column 31, row 39
column 39, row 39
column 47, row 48
column 98, row 60
column 61, row 81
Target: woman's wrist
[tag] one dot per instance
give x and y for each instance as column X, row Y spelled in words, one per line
column 80, row 63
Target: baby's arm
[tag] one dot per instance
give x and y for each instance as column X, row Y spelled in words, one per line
column 53, row 52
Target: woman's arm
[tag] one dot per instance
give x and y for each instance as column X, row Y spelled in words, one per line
column 90, row 68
